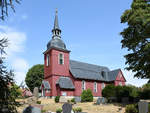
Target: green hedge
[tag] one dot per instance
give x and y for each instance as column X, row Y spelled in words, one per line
column 121, row 91
column 87, row 96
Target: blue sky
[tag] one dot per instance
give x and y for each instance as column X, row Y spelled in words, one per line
column 90, row 29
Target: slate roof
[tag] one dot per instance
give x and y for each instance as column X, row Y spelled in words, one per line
column 87, row 71
column 46, row 84
column 65, row 83
column 113, row 74
column 56, row 43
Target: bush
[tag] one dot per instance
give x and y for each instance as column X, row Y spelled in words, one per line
column 78, row 109
column 73, row 100
column 109, row 91
column 145, row 92
column 131, row 109
column 59, row 110
column 38, row 102
column 87, row 96
column 57, row 99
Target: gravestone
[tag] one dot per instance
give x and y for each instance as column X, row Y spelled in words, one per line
column 77, row 99
column 101, row 100
column 67, row 108
column 143, row 107
column 36, row 92
column 98, row 102
column 63, row 99
column 31, row 109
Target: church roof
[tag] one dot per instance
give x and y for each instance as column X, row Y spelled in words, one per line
column 65, row 83
column 56, row 25
column 56, row 43
column 87, row 71
column 113, row 74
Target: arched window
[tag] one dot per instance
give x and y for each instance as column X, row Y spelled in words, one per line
column 61, row 58
column 103, row 85
column 47, row 60
column 95, row 86
column 83, row 85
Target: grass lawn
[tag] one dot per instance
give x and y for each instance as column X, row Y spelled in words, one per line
column 89, row 107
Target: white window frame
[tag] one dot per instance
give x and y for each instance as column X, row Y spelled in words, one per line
column 60, row 58
column 95, row 86
column 103, row 85
column 83, row 85
column 47, row 60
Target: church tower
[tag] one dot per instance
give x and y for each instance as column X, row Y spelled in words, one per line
column 56, row 57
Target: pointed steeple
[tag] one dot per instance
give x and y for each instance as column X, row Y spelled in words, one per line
column 56, row 26
column 56, row 30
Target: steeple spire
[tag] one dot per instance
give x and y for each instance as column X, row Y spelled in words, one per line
column 56, row 26
column 56, row 30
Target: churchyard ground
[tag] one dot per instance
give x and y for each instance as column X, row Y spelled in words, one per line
column 89, row 107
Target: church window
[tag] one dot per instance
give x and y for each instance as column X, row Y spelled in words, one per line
column 61, row 58
column 83, row 85
column 47, row 60
column 95, row 86
column 103, row 85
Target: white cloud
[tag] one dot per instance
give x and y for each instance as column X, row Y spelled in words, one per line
column 16, row 40
column 129, row 75
column 20, row 64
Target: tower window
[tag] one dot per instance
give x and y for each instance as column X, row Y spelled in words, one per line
column 47, row 60
column 95, row 86
column 61, row 58
column 83, row 85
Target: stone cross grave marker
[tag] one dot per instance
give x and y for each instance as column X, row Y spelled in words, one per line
column 36, row 92
column 143, row 107
column 67, row 108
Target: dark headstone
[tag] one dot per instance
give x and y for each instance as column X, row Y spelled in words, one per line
column 77, row 99
column 67, row 108
column 101, row 100
column 31, row 109
column 143, row 107
column 98, row 102
column 104, row 100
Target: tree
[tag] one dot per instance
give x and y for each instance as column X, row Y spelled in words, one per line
column 4, row 5
column 136, row 38
column 7, row 100
column 35, row 76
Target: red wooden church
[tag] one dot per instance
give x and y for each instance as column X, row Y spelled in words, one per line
column 65, row 77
